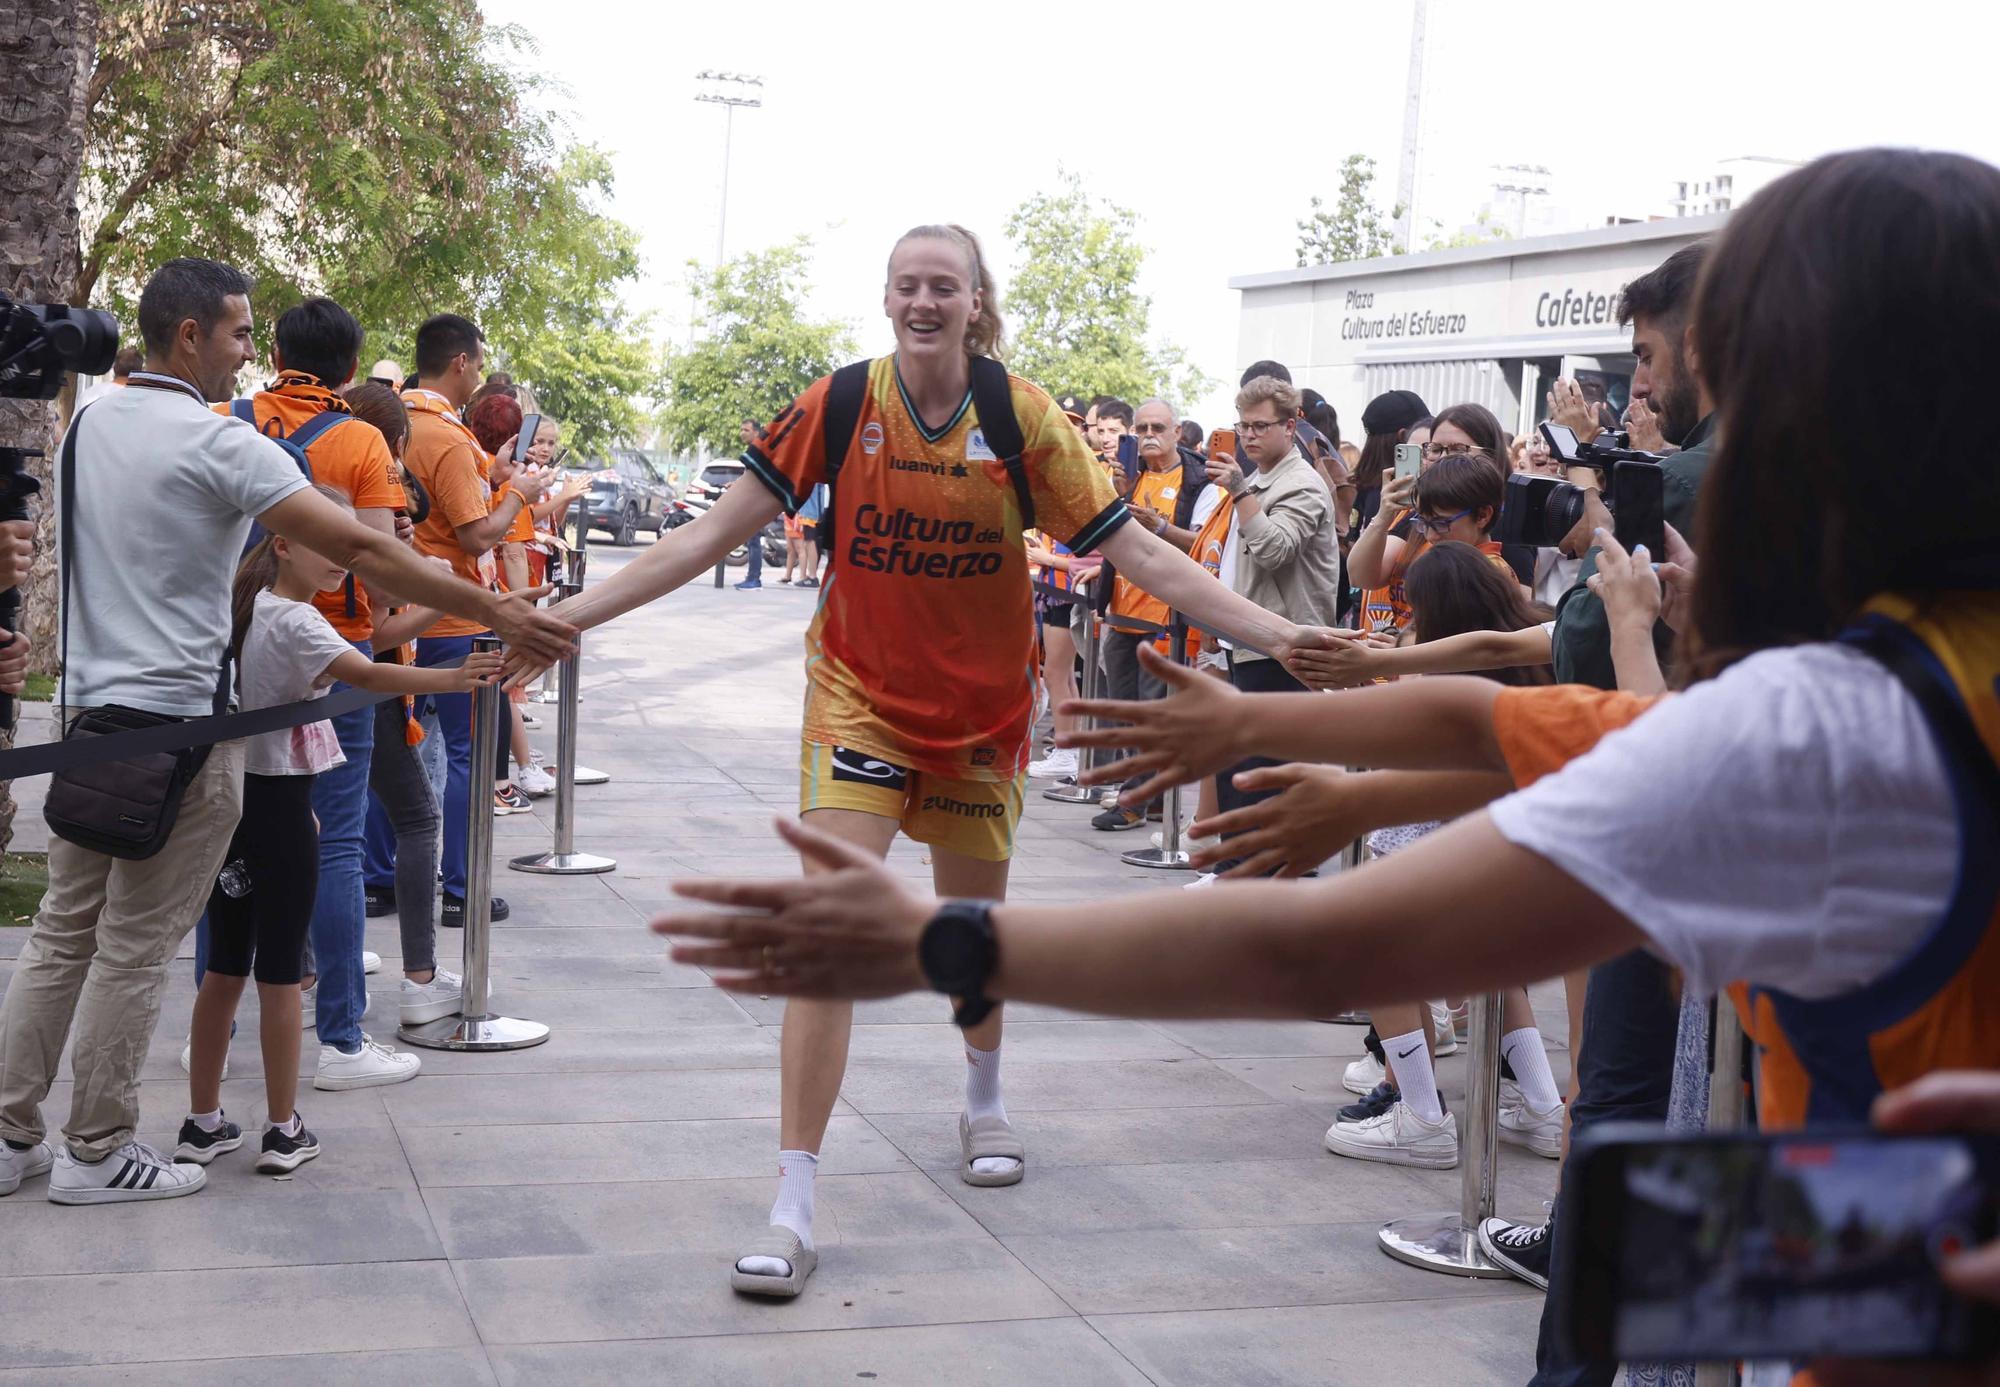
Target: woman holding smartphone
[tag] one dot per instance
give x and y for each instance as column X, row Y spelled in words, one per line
column 920, row 656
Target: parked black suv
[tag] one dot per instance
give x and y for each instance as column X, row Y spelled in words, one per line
column 628, row 494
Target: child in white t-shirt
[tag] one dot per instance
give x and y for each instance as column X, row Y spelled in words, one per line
column 263, row 900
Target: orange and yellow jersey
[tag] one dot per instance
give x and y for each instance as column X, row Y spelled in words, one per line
column 1825, row 1060
column 922, row 649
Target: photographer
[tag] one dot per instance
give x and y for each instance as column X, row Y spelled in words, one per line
column 165, row 494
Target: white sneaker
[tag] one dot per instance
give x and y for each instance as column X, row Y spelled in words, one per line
column 1397, row 1137
column 132, row 1172
column 433, row 1000
column 371, row 962
column 1061, row 761
column 1447, row 1038
column 16, row 1166
column 1362, row 1076
column 1202, row 882
column 373, row 1064
column 535, row 782
column 1541, row 1132
column 187, row 1063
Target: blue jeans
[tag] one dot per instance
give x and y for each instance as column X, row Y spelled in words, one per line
column 454, row 716
column 1625, row 1073
column 340, row 799
column 755, row 573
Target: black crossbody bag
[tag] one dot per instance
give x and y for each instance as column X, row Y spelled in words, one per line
column 123, row 809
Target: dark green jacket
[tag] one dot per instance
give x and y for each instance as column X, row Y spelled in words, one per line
column 1583, row 636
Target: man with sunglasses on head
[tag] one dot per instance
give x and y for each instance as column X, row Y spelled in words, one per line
column 1284, row 548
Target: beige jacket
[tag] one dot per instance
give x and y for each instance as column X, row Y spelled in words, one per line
column 1289, row 555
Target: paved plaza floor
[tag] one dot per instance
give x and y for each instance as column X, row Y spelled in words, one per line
column 567, row 1214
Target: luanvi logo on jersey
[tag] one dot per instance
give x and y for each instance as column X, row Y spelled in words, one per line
column 923, row 465
column 868, row 770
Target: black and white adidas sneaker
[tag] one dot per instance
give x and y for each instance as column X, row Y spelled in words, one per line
column 286, row 1151
column 134, row 1171
column 201, row 1146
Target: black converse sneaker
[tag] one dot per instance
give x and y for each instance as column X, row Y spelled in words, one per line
column 282, row 1153
column 201, row 1146
column 1521, row 1248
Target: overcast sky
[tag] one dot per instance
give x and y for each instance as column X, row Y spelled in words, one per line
column 880, row 116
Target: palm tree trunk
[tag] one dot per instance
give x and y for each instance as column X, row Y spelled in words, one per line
column 45, row 54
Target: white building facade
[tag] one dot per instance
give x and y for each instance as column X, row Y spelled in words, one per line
column 1488, row 324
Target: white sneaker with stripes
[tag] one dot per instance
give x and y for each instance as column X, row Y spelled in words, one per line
column 133, row 1171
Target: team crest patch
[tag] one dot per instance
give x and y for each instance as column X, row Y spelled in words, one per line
column 871, row 438
column 985, row 756
column 976, row 449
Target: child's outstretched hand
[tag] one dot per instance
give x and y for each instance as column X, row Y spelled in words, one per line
column 480, row 667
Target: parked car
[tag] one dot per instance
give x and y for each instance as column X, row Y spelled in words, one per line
column 628, row 494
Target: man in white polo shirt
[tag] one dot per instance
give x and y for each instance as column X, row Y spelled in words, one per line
column 165, row 493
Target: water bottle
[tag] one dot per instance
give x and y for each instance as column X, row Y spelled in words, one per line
column 234, row 880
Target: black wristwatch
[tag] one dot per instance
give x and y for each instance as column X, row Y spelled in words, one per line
column 958, row 952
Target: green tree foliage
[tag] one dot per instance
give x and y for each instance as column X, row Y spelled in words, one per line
column 388, row 153
column 1482, row 231
column 757, row 350
column 1355, row 229
column 1075, row 317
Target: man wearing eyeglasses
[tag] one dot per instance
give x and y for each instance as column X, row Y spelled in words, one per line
column 1161, row 499
column 1284, row 550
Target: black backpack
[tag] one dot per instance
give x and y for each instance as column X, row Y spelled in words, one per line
column 992, row 402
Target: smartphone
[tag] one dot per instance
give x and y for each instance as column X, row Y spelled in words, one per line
column 1222, row 443
column 531, row 424
column 1409, row 459
column 1774, row 1245
column 1128, row 455
column 1639, row 507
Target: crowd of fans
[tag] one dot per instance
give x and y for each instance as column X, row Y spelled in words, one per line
column 1811, row 816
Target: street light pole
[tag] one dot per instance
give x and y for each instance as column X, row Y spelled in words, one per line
column 728, row 90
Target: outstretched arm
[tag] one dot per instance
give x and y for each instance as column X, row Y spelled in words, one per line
column 679, row 555
column 1201, row 727
column 1462, row 911
column 1184, row 585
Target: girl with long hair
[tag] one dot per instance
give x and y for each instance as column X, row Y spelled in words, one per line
column 920, row 655
column 262, row 902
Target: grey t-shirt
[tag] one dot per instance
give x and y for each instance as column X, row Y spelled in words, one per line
column 166, row 490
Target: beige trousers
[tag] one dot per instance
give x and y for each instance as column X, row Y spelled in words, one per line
column 97, row 956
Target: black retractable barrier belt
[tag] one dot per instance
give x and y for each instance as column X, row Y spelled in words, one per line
column 176, row 736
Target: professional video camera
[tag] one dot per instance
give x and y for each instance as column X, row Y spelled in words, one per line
column 38, row 343
column 1539, row 511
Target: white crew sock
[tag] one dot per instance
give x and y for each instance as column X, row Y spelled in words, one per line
column 1410, row 1061
column 982, row 1099
column 210, row 1122
column 794, row 1210
column 1530, row 1062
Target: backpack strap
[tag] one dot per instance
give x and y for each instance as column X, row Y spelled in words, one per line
column 246, row 410
column 310, row 432
column 845, row 394
column 993, row 402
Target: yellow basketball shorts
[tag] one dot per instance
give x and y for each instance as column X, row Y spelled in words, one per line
column 974, row 817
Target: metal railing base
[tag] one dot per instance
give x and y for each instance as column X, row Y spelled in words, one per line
column 1439, row 1242
column 475, row 1033
column 1163, row 859
column 1071, row 794
column 562, row 864
column 584, row 775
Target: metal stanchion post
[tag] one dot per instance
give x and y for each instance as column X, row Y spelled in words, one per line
column 563, row 859
column 721, row 575
column 1093, row 685
column 1450, row 1242
column 476, row 1027
column 1170, row 855
column 1725, row 1113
